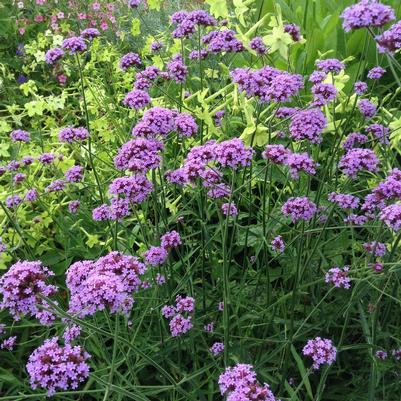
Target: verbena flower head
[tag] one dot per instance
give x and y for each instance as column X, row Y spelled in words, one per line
column 367, row 108
column 376, row 72
column 74, row 45
column 90, row 33
column 257, row 44
column 380, row 132
column 74, row 174
column 20, row 135
column 294, row 31
column 323, row 94
column 101, row 213
column 129, row 60
column 71, row 333
column 366, row 13
column 56, row 186
column 155, row 121
column 380, row 354
column 176, row 68
column 298, row 162
column 360, row 87
column 356, row 160
column 137, row 99
column 53, row 55
column 339, row 277
column 22, row 287
column 277, row 244
column 47, row 158
column 375, row 248
column 317, row 77
column 134, row 3
column 185, row 125
column 223, row 41
column 301, row 208
column 217, row 348
column 330, row 65
column 8, row 343
column 308, row 124
column 54, row 367
column 354, row 138
column 13, row 201
column 155, row 255
column 277, row 154
column 229, row 209
column 156, row 46
column 73, row 206
column 233, row 153
column 390, row 40
column 180, row 325
column 170, row 240
column 321, row 350
column 70, row 134
column 119, row 208
column 344, row 201
column 391, row 215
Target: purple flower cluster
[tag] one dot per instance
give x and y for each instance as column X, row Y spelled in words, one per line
column 330, row 65
column 74, row 174
column 308, row 124
column 366, row 13
column 90, row 33
column 321, row 350
column 222, row 41
column 375, row 248
column 277, row 244
column 107, row 283
column 294, row 31
column 20, row 135
column 358, row 159
column 367, row 108
column 155, row 255
column 179, row 324
column 339, row 277
column 257, row 44
column 217, row 348
column 354, row 138
column 70, row 134
column 176, row 69
column 390, row 40
column 376, row 72
column 380, row 132
column 134, row 188
column 240, row 383
column 323, row 94
column 8, row 343
column 233, row 153
column 53, row 55
column 22, row 287
column 391, row 215
column 267, row 83
column 344, row 201
column 360, row 87
column 74, row 45
column 129, row 60
column 229, row 209
column 301, row 208
column 186, row 23
column 56, row 186
column 170, row 240
column 185, row 125
column 137, row 99
column 54, row 367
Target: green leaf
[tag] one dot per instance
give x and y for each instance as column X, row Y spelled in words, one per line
column 135, row 27
column 218, row 8
column 302, row 371
column 154, row 4
column 35, row 107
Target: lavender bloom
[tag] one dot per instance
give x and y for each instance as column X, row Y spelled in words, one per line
column 233, row 153
column 137, row 99
column 156, row 46
column 129, row 60
column 352, row 139
column 317, row 77
column 74, row 174
column 70, row 134
column 375, row 248
column 9, row 343
column 27, row 160
column 339, row 277
column 217, row 348
column 54, row 367
column 219, row 191
column 380, row 132
column 390, row 40
column 376, row 72
column 185, row 125
column 294, row 31
column 176, row 68
column 308, row 124
column 119, row 209
column 223, row 41
column 391, row 215
column 135, row 188
column 387, row 189
column 74, row 45
column 55, row 186
column 13, row 201
column 53, row 55
column 367, row 108
column 71, row 333
column 277, row 244
column 186, row 304
column 344, row 201
column 298, row 162
column 377, row 267
column 139, row 155
column 21, row 287
column 366, row 13
column 321, row 350
column 180, row 325
column 168, row 311
column 356, row 160
column 170, row 240
column 282, row 87
column 90, row 33
column 13, row 165
column 101, row 213
column 323, row 94
column 330, row 65
column 73, row 206
column 155, row 121
column 229, row 209
column 19, row 177
column 47, row 158
column 257, row 44
column 276, row 153
column 300, row 208
column 360, row 88
column 20, row 136
column 381, row 355
column 155, row 255
column 239, row 383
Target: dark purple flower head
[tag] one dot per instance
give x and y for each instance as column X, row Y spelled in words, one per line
column 129, row 60
column 8, row 343
column 323, row 94
column 155, row 121
column 198, row 54
column 338, row 277
column 277, row 244
column 22, row 287
column 356, row 160
column 53, row 55
column 321, row 350
column 19, row 177
column 155, row 255
column 344, row 201
column 391, row 215
column 257, row 44
column 137, row 99
column 90, row 33
column 139, row 155
column 317, row 77
column 74, row 45
column 170, row 240
column 298, row 162
column 276, row 153
column 156, row 46
column 186, row 125
column 330, row 65
column 223, row 41
column 47, row 158
column 74, row 174
column 301, row 208
column 119, row 208
column 12, row 201
column 294, row 31
column 180, row 325
column 134, row 3
column 70, row 134
column 366, row 13
column 54, row 367
column 101, row 213
column 73, row 206
column 354, row 138
column 176, row 68
column 380, row 132
column 367, row 108
column 376, row 72
column 178, row 17
column 233, row 153
column 308, row 124
column 20, row 135
column 229, row 209
column 375, row 248
column 360, row 88
column 56, row 186
column 282, row 87
column 134, row 188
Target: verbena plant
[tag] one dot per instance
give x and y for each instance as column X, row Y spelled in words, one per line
column 200, row 208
